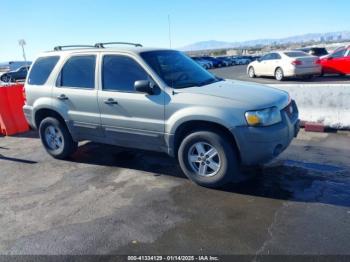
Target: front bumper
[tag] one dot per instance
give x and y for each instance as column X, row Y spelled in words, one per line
column 259, row 145
column 28, row 113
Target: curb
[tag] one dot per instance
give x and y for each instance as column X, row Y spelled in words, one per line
column 314, row 127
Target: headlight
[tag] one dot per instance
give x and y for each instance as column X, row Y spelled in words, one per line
column 265, row 117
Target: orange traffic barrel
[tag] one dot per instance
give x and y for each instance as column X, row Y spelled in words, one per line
column 12, row 120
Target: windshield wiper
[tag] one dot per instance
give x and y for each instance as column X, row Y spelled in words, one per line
column 185, row 85
column 210, row 81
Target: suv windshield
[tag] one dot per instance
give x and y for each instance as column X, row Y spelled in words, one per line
column 178, row 70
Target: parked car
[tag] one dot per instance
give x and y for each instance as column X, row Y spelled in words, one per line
column 241, row 60
column 18, row 74
column 256, row 57
column 158, row 100
column 205, row 64
column 224, row 60
column 337, row 62
column 216, row 62
column 285, row 64
column 12, row 65
column 316, row 51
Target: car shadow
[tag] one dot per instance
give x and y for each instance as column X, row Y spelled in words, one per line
column 113, row 156
column 283, row 180
column 29, row 134
column 18, row 160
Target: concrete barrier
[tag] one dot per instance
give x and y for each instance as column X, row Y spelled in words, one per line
column 328, row 104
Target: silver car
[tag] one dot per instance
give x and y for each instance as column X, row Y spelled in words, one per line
column 159, row 100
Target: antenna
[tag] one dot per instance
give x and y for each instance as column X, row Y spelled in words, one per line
column 169, row 25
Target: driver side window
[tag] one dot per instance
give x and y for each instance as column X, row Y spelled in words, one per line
column 266, row 57
column 119, row 73
column 339, row 54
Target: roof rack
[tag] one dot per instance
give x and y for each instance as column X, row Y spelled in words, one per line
column 59, row 48
column 102, row 45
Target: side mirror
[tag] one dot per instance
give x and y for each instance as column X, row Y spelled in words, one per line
column 259, row 60
column 144, row 86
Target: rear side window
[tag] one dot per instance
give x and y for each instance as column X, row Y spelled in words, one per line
column 319, row 51
column 119, row 73
column 78, row 72
column 296, row 54
column 42, row 69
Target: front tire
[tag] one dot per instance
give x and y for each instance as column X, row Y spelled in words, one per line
column 5, row 78
column 251, row 72
column 56, row 138
column 279, row 75
column 208, row 158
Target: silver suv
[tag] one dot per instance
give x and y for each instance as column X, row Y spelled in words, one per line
column 159, row 100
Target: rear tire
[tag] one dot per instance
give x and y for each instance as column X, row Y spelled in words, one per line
column 56, row 138
column 279, row 75
column 208, row 158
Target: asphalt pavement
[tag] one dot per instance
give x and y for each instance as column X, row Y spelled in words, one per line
column 106, row 200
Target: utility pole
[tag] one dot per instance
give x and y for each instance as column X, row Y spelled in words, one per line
column 22, row 43
column 169, row 30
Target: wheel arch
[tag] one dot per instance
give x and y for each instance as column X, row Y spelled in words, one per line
column 42, row 113
column 191, row 126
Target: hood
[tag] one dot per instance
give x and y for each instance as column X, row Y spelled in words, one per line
column 255, row 96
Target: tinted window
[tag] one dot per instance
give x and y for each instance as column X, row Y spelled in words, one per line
column 78, row 72
column 120, row 73
column 275, row 56
column 177, row 70
column 267, row 57
column 41, row 70
column 339, row 53
column 296, row 54
column 319, row 51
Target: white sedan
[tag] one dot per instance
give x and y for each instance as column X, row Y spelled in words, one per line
column 285, row 64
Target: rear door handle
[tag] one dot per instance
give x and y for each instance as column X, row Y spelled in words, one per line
column 111, row 101
column 62, row 97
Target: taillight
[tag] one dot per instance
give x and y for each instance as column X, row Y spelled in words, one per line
column 297, row 62
column 318, row 61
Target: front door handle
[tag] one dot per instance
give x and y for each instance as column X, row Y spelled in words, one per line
column 111, row 101
column 62, row 97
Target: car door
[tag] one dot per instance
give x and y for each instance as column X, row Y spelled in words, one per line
column 344, row 65
column 334, row 64
column 264, row 65
column 76, row 96
column 129, row 118
column 258, row 65
column 273, row 63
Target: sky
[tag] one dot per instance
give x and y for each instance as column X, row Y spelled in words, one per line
column 44, row 24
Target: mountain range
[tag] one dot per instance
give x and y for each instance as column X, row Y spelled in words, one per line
column 213, row 44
